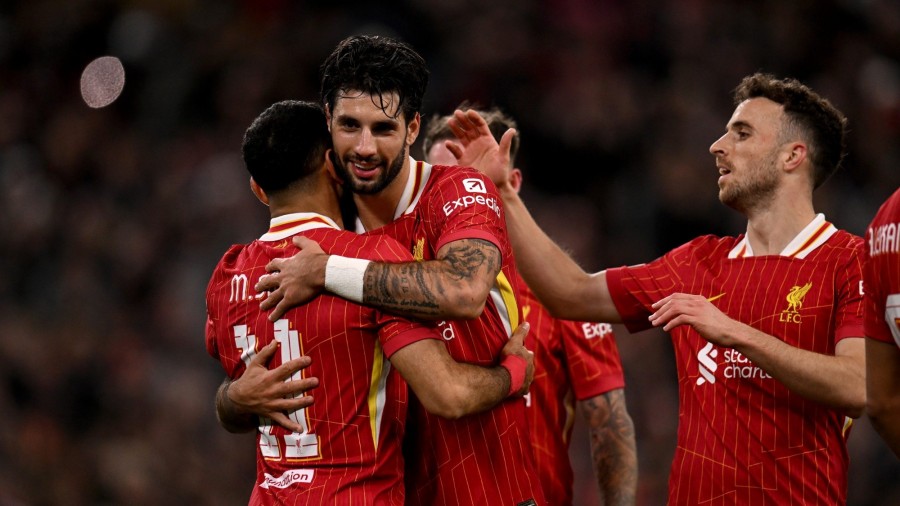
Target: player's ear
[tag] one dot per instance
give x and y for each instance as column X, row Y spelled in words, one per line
column 795, row 155
column 259, row 192
column 515, row 179
column 328, row 117
column 412, row 129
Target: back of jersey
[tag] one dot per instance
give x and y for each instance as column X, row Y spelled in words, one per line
column 348, row 452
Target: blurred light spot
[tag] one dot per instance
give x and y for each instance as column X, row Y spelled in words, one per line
column 102, row 81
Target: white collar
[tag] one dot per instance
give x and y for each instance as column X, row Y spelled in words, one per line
column 281, row 227
column 814, row 235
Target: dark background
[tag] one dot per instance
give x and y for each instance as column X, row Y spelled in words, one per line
column 112, row 219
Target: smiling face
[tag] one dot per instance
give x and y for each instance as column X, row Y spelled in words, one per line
column 370, row 141
column 747, row 155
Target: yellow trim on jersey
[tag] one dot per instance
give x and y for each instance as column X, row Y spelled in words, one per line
column 848, row 422
column 375, row 386
column 509, row 300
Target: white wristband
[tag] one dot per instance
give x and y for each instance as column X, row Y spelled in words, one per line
column 344, row 277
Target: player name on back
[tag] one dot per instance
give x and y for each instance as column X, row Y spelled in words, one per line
column 883, row 239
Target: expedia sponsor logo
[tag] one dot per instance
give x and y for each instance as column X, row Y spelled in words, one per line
column 592, row 330
column 471, row 200
column 288, row 478
column 795, row 302
column 473, row 185
column 736, row 365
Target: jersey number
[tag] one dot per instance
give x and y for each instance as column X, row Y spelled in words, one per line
column 297, row 445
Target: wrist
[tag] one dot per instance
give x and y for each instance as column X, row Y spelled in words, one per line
column 516, row 367
column 345, row 277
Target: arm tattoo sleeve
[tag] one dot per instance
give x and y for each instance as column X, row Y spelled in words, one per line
column 613, row 448
column 434, row 288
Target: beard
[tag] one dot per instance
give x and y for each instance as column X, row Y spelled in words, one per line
column 757, row 191
column 369, row 186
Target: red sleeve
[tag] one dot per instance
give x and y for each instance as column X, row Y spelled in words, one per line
column 881, row 260
column 592, row 357
column 849, row 319
column 464, row 204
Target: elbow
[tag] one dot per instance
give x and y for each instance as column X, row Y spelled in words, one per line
column 857, row 406
column 450, row 403
column 468, row 304
column 444, row 409
column 880, row 410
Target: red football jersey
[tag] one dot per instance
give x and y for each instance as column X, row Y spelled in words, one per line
column 882, row 273
column 483, row 458
column 350, row 452
column 743, row 437
column 572, row 361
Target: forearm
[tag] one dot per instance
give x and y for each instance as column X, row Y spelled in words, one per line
column 455, row 286
column 230, row 417
column 557, row 280
column 613, row 448
column 883, row 387
column 445, row 387
column 837, row 381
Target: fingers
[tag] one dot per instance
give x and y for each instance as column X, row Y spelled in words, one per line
column 271, row 301
column 287, row 369
column 275, row 264
column 281, row 308
column 296, row 388
column 521, row 332
column 265, row 354
column 506, row 140
column 282, row 420
column 454, row 149
column 268, row 282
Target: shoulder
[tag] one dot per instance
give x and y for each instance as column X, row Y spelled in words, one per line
column 465, row 179
column 708, row 246
column 376, row 247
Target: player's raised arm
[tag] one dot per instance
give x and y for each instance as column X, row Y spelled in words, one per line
column 561, row 284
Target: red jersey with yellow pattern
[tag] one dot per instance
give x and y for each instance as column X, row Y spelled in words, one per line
column 882, row 273
column 573, row 361
column 350, row 450
column 743, row 437
column 483, row 458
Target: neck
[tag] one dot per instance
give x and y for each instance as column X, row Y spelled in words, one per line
column 771, row 229
column 320, row 200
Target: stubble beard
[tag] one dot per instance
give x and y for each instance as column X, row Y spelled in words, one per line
column 757, row 192
column 371, row 186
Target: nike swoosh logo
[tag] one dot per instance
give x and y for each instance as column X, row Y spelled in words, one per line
column 716, row 297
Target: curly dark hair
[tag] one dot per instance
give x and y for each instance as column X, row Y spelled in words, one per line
column 498, row 122
column 286, row 144
column 377, row 66
column 809, row 115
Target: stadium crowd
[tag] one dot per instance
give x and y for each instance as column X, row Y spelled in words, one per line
column 111, row 219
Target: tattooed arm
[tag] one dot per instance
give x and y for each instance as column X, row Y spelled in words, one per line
column 454, row 286
column 613, row 448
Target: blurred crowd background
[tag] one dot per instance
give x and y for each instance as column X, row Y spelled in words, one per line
column 112, row 219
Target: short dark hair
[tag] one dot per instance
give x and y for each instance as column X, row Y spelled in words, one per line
column 286, row 144
column 498, row 122
column 821, row 124
column 378, row 66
